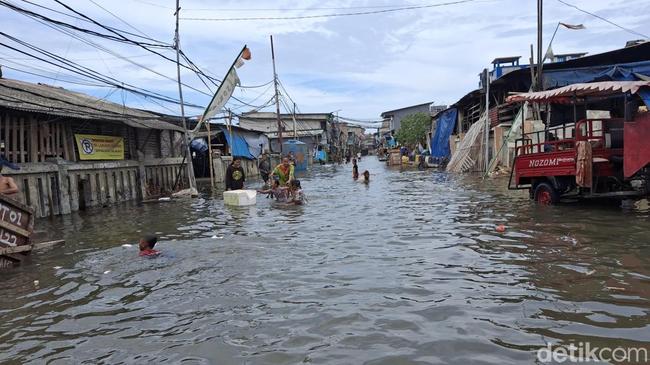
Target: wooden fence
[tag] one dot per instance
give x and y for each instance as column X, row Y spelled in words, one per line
column 60, row 187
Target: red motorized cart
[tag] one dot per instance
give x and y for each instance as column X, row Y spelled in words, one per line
column 589, row 158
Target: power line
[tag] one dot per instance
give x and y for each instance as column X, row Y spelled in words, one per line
column 333, row 15
column 85, row 20
column 358, row 121
column 255, row 86
column 299, row 9
column 120, row 19
column 118, row 56
column 57, row 26
column 83, row 71
column 256, row 98
column 118, row 38
column 91, row 59
column 153, row 4
column 54, row 78
column 604, row 19
column 83, row 112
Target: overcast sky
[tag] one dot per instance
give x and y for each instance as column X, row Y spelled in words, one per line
column 362, row 65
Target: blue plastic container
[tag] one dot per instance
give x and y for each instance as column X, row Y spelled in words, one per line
column 299, row 151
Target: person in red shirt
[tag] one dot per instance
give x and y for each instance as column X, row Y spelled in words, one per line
column 146, row 246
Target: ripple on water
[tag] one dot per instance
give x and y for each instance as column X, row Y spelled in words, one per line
column 407, row 270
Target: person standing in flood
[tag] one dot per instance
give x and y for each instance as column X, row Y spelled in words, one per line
column 7, row 184
column 235, row 176
column 355, row 169
column 284, row 171
column 265, row 167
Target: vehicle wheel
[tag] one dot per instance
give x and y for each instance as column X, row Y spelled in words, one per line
column 545, row 194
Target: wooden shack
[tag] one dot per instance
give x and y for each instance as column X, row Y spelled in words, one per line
column 76, row 151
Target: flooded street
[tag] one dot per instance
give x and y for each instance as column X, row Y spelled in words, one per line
column 407, row 270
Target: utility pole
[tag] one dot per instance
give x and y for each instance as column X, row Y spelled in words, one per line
column 188, row 155
column 277, row 98
column 487, row 119
column 295, row 131
column 539, row 45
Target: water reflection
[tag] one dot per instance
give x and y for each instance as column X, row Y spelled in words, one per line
column 408, row 269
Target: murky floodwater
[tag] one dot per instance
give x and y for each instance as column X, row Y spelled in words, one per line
column 407, row 270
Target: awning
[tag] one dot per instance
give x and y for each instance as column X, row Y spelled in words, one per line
column 594, row 89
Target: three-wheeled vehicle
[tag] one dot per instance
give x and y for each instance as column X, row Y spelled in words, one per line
column 595, row 157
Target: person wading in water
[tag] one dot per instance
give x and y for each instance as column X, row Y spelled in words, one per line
column 264, row 167
column 235, row 176
column 7, row 184
column 355, row 169
column 284, row 171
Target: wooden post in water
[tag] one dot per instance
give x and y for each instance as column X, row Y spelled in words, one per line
column 207, row 126
column 487, row 120
column 295, row 132
column 232, row 142
column 540, row 87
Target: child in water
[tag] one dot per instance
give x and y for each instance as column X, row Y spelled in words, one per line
column 276, row 191
column 296, row 195
column 355, row 169
column 366, row 177
column 146, row 246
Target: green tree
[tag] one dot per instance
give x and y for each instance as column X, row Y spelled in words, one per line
column 413, row 129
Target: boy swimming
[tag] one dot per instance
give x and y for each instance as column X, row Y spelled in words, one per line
column 146, row 245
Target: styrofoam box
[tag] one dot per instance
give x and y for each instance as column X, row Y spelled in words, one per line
column 239, row 197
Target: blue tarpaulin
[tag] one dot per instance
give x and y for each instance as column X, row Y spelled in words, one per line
column 621, row 72
column 238, row 146
column 645, row 95
column 440, row 140
column 199, row 145
column 390, row 141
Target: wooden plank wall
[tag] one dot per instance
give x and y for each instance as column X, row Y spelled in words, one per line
column 86, row 188
column 24, row 139
column 107, row 187
column 160, row 179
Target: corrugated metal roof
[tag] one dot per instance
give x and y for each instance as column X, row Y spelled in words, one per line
column 388, row 112
column 603, row 88
column 506, row 59
column 51, row 100
column 273, row 116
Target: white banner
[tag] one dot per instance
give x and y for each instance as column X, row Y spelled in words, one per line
column 223, row 94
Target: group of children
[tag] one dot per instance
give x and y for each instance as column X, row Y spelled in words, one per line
column 355, row 172
column 290, row 194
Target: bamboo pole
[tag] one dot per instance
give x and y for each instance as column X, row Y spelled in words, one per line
column 232, row 142
column 207, row 126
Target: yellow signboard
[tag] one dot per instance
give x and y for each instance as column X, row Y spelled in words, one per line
column 94, row 147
